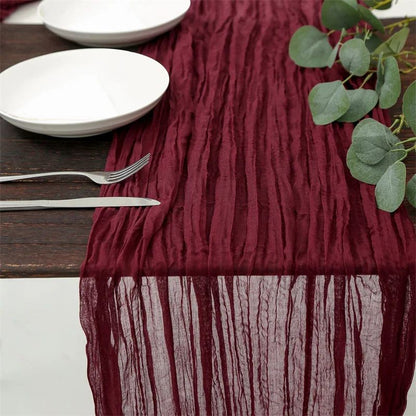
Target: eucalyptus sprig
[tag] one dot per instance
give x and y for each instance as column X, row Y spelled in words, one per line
column 376, row 153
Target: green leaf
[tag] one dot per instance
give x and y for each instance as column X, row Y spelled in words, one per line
column 409, row 106
column 309, row 47
column 338, row 14
column 384, row 49
column 369, row 17
column 333, row 56
column 388, row 84
column 398, row 40
column 373, row 4
column 328, row 101
column 355, row 57
column 372, row 42
column 361, row 102
column 390, row 189
column 372, row 140
column 411, row 191
column 371, row 173
column 394, row 44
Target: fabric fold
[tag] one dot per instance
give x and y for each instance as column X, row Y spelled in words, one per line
column 267, row 281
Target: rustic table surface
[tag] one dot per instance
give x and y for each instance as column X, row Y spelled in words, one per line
column 52, row 243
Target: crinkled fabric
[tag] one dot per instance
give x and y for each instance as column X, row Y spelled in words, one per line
column 267, row 282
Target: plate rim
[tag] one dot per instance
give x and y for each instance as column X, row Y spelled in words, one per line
column 111, row 33
column 88, row 122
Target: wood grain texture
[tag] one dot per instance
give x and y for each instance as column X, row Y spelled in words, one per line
column 53, row 243
column 44, row 243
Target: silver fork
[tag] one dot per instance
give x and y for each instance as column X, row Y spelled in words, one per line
column 102, row 178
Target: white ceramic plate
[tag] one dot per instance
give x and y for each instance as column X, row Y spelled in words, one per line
column 81, row 92
column 112, row 23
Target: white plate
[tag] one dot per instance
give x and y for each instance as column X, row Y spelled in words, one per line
column 81, row 92
column 112, row 23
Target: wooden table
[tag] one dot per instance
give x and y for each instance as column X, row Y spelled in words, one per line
column 52, row 243
column 44, row 243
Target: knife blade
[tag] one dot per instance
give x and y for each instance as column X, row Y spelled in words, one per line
column 111, row 201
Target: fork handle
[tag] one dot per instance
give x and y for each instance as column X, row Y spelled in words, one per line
column 37, row 175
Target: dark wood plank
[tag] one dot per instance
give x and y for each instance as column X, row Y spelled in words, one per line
column 53, row 243
column 21, row 42
column 43, row 243
column 41, row 260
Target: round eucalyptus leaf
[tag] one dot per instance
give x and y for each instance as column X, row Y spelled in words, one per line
column 369, row 17
column 374, row 3
column 394, row 44
column 328, row 101
column 409, row 106
column 372, row 42
column 411, row 191
column 361, row 102
column 371, row 174
column 309, row 47
column 388, row 84
column 372, row 140
column 339, row 14
column 390, row 189
column 355, row 57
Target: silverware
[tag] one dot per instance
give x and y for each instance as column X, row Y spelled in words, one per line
column 77, row 203
column 102, row 178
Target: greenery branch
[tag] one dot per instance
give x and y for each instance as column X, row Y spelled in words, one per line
column 376, row 153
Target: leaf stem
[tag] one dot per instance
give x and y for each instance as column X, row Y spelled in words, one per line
column 410, row 149
column 367, row 34
column 366, row 79
column 407, row 71
column 412, row 139
column 381, row 4
column 407, row 63
column 382, row 58
column 394, row 124
column 343, row 34
column 348, row 78
column 400, row 124
column 404, row 22
column 404, row 53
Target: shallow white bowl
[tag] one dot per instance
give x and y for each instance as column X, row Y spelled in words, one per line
column 82, row 92
column 113, row 23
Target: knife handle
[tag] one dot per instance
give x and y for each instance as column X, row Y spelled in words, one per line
column 36, row 204
column 37, row 175
column 50, row 203
column 92, row 202
column 23, row 205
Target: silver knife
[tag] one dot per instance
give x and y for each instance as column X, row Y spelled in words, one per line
column 111, row 201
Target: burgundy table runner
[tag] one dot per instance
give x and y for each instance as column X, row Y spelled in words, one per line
column 7, row 7
column 274, row 285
